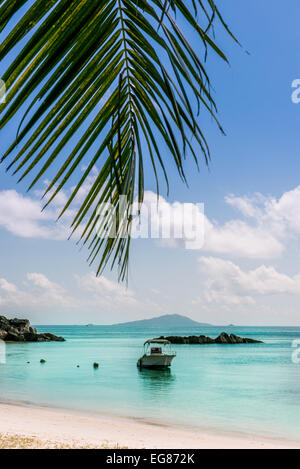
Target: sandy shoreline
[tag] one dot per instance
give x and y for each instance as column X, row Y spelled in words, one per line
column 72, row 429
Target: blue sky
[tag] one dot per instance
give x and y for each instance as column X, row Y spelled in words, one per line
column 248, row 272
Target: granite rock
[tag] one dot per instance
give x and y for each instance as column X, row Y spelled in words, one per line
column 223, row 338
column 19, row 330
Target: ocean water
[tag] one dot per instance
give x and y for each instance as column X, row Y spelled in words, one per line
column 245, row 388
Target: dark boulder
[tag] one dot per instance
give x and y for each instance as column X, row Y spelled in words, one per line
column 13, row 336
column 203, row 339
column 4, row 323
column 175, row 339
column 21, row 325
column 223, row 338
column 30, row 337
column 49, row 338
column 3, row 335
column 234, row 339
column 19, row 330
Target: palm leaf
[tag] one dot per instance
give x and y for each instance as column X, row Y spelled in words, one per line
column 74, row 53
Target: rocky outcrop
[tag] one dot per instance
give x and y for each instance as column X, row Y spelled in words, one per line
column 223, row 338
column 234, row 339
column 19, row 330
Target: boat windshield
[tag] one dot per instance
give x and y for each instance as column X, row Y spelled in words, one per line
column 155, row 350
column 158, row 347
column 157, row 341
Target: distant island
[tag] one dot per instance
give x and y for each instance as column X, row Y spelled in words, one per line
column 167, row 321
column 173, row 321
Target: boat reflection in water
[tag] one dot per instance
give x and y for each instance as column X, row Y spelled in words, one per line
column 156, row 383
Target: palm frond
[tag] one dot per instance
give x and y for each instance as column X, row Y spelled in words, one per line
column 76, row 53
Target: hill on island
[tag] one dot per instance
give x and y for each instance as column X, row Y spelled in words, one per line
column 168, row 320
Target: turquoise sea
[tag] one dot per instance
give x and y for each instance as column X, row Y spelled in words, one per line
column 244, row 388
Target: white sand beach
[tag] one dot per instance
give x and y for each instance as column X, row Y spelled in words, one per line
column 22, row 426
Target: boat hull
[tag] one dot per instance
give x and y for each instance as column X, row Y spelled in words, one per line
column 155, row 361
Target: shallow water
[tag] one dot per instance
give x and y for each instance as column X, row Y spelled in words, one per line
column 247, row 388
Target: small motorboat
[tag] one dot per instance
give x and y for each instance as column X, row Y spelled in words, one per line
column 158, row 354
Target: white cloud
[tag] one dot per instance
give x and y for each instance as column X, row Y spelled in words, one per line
column 238, row 238
column 86, row 293
column 37, row 291
column 280, row 216
column 226, row 283
column 7, row 287
column 103, row 291
column 113, row 297
column 235, row 237
column 262, row 230
column 22, row 216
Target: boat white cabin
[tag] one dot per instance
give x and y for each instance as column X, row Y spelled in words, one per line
column 158, row 354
